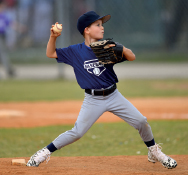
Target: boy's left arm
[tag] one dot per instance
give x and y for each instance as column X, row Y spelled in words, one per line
column 128, row 54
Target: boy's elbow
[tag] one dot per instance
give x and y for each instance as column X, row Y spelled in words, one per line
column 51, row 55
column 128, row 54
column 48, row 55
column 133, row 57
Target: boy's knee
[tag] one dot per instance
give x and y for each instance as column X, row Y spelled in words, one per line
column 142, row 122
column 77, row 134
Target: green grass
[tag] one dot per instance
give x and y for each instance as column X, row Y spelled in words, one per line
column 50, row 90
column 162, row 57
column 107, row 139
column 39, row 90
column 38, row 56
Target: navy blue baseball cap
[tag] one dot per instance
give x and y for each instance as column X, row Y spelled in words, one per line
column 88, row 18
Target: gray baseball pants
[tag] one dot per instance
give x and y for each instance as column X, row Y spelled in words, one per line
column 94, row 106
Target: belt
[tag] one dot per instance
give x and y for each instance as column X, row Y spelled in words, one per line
column 104, row 92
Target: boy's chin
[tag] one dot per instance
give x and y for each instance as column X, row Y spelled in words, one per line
column 100, row 38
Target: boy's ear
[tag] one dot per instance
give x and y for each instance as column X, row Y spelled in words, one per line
column 86, row 30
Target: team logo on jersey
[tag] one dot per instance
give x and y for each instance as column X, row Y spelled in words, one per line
column 94, row 67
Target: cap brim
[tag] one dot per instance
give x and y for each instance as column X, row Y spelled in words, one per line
column 105, row 18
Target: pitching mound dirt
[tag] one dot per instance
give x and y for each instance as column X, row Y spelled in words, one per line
column 116, row 165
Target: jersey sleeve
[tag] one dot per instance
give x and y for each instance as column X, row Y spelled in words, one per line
column 64, row 55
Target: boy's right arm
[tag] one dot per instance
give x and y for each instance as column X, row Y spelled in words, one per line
column 51, row 46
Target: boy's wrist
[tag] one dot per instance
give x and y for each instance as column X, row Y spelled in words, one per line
column 53, row 37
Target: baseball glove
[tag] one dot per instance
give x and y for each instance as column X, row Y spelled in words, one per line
column 106, row 54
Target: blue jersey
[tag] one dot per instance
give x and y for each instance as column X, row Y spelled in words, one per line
column 90, row 74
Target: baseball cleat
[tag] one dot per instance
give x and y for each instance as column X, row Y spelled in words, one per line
column 156, row 155
column 39, row 157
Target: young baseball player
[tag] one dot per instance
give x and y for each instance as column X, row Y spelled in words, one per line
column 101, row 94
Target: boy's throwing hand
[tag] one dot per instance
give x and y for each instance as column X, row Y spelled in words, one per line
column 56, row 30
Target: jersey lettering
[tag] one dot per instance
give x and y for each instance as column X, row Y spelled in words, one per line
column 94, row 67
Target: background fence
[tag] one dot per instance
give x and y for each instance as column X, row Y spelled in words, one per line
column 145, row 26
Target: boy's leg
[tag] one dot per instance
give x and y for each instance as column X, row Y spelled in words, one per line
column 92, row 108
column 121, row 107
column 125, row 110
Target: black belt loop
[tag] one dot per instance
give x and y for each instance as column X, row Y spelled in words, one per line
column 104, row 92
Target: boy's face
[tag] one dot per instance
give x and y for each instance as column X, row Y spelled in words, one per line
column 96, row 30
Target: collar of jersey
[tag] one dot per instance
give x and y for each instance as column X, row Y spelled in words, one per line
column 87, row 46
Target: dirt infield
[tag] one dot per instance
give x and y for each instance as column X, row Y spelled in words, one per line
column 32, row 114
column 116, row 165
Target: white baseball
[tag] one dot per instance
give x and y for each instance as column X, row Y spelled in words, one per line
column 57, row 28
